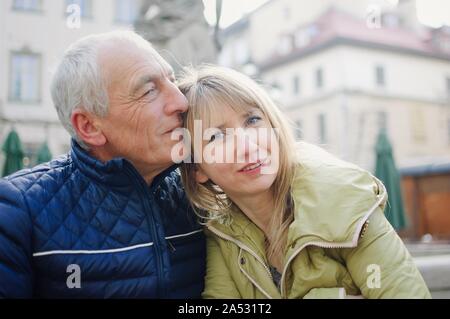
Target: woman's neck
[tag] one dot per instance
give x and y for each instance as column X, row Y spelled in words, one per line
column 258, row 208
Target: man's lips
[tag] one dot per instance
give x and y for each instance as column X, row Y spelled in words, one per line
column 174, row 128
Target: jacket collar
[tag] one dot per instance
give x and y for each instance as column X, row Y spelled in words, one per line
column 118, row 172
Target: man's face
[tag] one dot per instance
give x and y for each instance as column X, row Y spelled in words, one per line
column 145, row 106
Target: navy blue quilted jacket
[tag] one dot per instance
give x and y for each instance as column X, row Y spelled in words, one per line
column 79, row 228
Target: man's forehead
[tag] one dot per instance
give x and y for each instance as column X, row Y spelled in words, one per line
column 126, row 51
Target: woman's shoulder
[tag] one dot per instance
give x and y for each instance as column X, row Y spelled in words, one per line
column 313, row 155
column 316, row 165
column 328, row 191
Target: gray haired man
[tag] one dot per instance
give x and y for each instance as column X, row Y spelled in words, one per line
column 110, row 219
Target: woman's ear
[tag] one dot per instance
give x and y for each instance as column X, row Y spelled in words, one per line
column 200, row 176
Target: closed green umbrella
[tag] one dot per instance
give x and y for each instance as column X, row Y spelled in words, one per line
column 387, row 172
column 44, row 155
column 14, row 154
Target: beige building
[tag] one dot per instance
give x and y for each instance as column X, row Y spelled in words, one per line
column 342, row 70
column 33, row 37
column 35, row 33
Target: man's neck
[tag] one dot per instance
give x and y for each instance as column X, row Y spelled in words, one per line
column 147, row 172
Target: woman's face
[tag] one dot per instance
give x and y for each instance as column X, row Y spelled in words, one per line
column 239, row 151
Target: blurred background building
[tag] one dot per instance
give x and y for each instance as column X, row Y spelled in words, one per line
column 342, row 70
column 345, row 69
column 35, row 33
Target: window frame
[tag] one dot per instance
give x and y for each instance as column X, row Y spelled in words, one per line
column 11, row 97
column 117, row 20
column 38, row 9
column 87, row 16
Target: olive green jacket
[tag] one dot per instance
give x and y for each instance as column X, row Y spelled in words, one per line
column 339, row 245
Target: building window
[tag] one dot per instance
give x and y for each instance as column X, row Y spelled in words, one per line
column 304, row 36
column 285, row 44
column 286, row 13
column 126, row 11
column 298, row 129
column 380, row 76
column 448, row 87
column 296, row 85
column 85, row 7
column 30, row 153
column 319, row 78
column 448, row 130
column 322, row 128
column 242, row 53
column 382, row 121
column 418, row 127
column 25, row 77
column 276, row 85
column 27, row 5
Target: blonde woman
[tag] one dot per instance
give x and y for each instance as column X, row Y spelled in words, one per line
column 310, row 226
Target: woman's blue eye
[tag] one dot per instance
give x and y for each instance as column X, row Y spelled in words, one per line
column 216, row 136
column 253, row 119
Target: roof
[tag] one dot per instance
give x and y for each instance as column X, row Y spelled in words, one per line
column 335, row 24
column 427, row 167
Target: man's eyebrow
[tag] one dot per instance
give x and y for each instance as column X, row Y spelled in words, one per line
column 141, row 82
column 149, row 78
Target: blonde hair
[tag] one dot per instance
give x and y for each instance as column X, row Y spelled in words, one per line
column 211, row 86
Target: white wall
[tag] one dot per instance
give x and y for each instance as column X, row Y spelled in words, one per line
column 414, row 101
column 353, row 68
column 47, row 34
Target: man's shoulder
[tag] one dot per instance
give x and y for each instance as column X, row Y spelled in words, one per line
column 38, row 179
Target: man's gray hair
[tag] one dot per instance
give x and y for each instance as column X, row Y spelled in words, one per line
column 78, row 80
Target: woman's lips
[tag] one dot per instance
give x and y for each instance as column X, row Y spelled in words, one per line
column 254, row 167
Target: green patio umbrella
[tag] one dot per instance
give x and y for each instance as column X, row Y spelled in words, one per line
column 44, row 155
column 387, row 172
column 13, row 154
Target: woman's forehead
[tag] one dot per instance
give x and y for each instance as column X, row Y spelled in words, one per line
column 223, row 114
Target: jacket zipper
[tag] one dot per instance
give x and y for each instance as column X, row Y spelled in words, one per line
column 351, row 244
column 145, row 194
column 249, row 250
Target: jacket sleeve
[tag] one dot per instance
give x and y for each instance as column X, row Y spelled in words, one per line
column 218, row 282
column 15, row 244
column 381, row 265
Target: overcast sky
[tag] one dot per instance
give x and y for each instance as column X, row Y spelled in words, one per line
column 430, row 12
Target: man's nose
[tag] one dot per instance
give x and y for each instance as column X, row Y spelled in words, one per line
column 176, row 101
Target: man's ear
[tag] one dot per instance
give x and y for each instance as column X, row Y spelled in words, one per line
column 87, row 128
column 200, row 176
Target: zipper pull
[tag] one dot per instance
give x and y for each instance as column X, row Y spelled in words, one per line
column 172, row 247
column 364, row 229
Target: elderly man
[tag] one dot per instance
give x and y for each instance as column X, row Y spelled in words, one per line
column 110, row 219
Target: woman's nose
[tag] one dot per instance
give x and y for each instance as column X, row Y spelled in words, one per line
column 246, row 145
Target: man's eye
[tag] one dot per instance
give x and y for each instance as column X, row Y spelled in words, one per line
column 150, row 91
column 253, row 120
column 216, row 136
